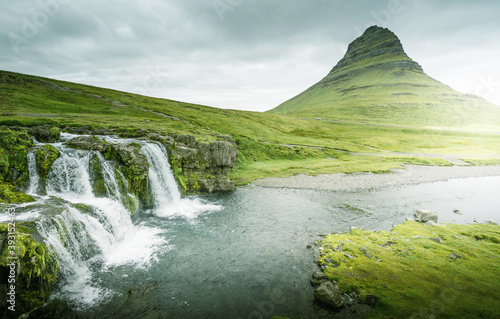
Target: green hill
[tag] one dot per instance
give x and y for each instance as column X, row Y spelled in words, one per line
column 377, row 82
column 268, row 144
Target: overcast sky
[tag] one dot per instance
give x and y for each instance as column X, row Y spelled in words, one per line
column 241, row 54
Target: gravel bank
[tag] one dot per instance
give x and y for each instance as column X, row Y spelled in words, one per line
column 363, row 181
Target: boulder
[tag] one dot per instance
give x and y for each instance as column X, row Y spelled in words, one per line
column 226, row 185
column 45, row 134
column 329, row 294
column 89, row 142
column 130, row 154
column 424, row 215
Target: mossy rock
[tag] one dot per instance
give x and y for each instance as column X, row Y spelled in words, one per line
column 45, row 157
column 8, row 194
column 45, row 134
column 404, row 272
column 34, row 267
column 13, row 156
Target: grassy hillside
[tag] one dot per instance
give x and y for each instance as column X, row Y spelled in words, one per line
column 376, row 82
column 269, row 144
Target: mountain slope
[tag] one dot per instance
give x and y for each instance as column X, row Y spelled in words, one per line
column 377, row 82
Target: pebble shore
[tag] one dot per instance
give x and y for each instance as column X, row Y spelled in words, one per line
column 411, row 175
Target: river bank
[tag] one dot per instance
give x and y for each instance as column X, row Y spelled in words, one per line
column 411, row 175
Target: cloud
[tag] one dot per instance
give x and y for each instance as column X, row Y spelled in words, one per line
column 238, row 53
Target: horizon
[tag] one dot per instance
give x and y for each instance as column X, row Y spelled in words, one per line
column 278, row 49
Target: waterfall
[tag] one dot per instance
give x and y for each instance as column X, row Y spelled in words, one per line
column 167, row 198
column 33, row 173
column 161, row 180
column 92, row 232
column 83, row 219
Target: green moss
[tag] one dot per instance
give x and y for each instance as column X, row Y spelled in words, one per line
column 36, row 267
column 45, row 157
column 8, row 194
column 411, row 273
column 96, row 177
column 13, row 156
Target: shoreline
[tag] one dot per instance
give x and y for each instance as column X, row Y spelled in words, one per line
column 410, row 175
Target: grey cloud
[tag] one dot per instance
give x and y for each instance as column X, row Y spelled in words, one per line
column 246, row 54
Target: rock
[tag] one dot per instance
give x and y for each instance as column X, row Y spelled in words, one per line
column 226, row 185
column 454, row 256
column 423, row 215
column 329, row 294
column 130, row 154
column 371, row 300
column 430, row 223
column 456, row 211
column 188, row 140
column 491, row 222
column 349, row 256
column 45, row 134
column 89, row 143
column 410, row 219
column 223, row 153
column 362, row 248
column 166, row 140
column 436, row 239
column 319, row 275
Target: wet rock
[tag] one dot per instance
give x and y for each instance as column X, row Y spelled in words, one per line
column 491, row 222
column 430, row 223
column 89, row 143
column 130, row 154
column 423, row 215
column 456, row 211
column 329, row 294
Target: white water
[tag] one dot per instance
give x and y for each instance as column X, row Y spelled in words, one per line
column 167, row 197
column 92, row 234
column 33, row 173
column 96, row 236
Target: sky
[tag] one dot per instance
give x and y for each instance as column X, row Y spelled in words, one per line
column 241, row 54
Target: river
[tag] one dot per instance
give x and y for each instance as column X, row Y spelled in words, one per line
column 236, row 255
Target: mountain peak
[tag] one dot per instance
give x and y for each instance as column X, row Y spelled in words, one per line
column 376, row 82
column 375, row 44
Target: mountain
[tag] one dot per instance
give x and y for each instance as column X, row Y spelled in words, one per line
column 377, row 82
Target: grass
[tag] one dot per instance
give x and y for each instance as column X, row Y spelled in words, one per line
column 29, row 101
column 415, row 277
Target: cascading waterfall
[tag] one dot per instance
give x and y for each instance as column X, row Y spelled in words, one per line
column 84, row 219
column 91, row 233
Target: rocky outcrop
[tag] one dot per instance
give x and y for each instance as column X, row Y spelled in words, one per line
column 45, row 134
column 32, row 273
column 377, row 42
column 14, row 145
column 198, row 167
column 89, row 142
column 203, row 167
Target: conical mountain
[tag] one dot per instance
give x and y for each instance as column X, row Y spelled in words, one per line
column 377, row 82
